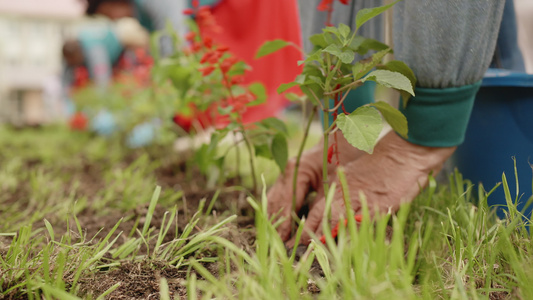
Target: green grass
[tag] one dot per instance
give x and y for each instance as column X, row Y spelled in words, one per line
column 441, row 246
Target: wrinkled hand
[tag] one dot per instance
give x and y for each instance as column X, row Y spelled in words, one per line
column 394, row 174
column 309, row 180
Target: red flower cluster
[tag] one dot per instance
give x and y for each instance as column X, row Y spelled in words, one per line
column 327, row 5
column 239, row 102
column 137, row 63
column 213, row 57
column 194, row 119
column 78, row 122
column 203, row 16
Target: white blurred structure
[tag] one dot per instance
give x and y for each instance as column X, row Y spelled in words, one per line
column 31, row 37
column 524, row 15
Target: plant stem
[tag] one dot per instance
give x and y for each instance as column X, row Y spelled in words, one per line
column 252, row 165
column 325, row 150
column 354, row 84
column 297, row 165
column 339, row 103
column 237, row 158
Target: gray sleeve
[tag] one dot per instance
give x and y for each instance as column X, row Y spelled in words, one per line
column 447, row 43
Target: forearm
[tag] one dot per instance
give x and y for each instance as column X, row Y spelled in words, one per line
column 449, row 45
column 446, row 43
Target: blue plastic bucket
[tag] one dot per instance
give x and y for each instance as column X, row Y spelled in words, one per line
column 500, row 128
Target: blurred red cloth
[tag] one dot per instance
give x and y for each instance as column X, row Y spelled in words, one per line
column 246, row 25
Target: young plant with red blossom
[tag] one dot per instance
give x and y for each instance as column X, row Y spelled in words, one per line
column 210, row 82
column 331, row 71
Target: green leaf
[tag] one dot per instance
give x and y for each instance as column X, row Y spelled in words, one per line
column 370, row 44
column 361, row 68
column 390, row 79
column 280, row 150
column 361, row 128
column 364, row 15
column 344, row 30
column 333, row 49
column 401, row 67
column 285, row 86
column 315, row 56
column 313, row 92
column 346, row 56
column 271, row 47
column 238, row 68
column 333, row 30
column 276, row 124
column 313, row 82
column 300, row 79
column 262, row 150
column 314, row 79
column 318, row 40
column 394, row 117
column 259, row 91
column 295, row 97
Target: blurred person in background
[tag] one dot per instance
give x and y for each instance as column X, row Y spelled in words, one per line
column 246, row 25
column 152, row 15
column 99, row 47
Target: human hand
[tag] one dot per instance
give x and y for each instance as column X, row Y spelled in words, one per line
column 309, row 179
column 393, row 175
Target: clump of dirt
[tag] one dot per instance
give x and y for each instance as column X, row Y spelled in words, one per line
column 138, row 280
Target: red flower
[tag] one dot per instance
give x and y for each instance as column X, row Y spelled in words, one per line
column 183, row 121
column 330, row 153
column 335, row 230
column 237, row 79
column 190, row 36
column 226, row 65
column 207, row 70
column 325, row 5
column 208, row 42
column 195, row 3
column 188, row 12
column 222, row 48
column 78, row 122
column 206, row 57
column 196, row 47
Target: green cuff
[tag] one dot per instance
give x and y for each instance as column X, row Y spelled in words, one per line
column 355, row 99
column 439, row 117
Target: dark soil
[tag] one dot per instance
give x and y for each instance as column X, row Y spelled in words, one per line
column 138, row 280
column 141, row 279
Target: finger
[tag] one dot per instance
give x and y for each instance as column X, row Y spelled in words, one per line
column 279, row 208
column 337, row 214
column 281, row 194
column 313, row 221
column 281, row 202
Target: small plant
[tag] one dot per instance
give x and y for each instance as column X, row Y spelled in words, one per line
column 216, row 97
column 331, row 72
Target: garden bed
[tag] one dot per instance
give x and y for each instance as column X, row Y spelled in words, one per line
column 52, row 179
